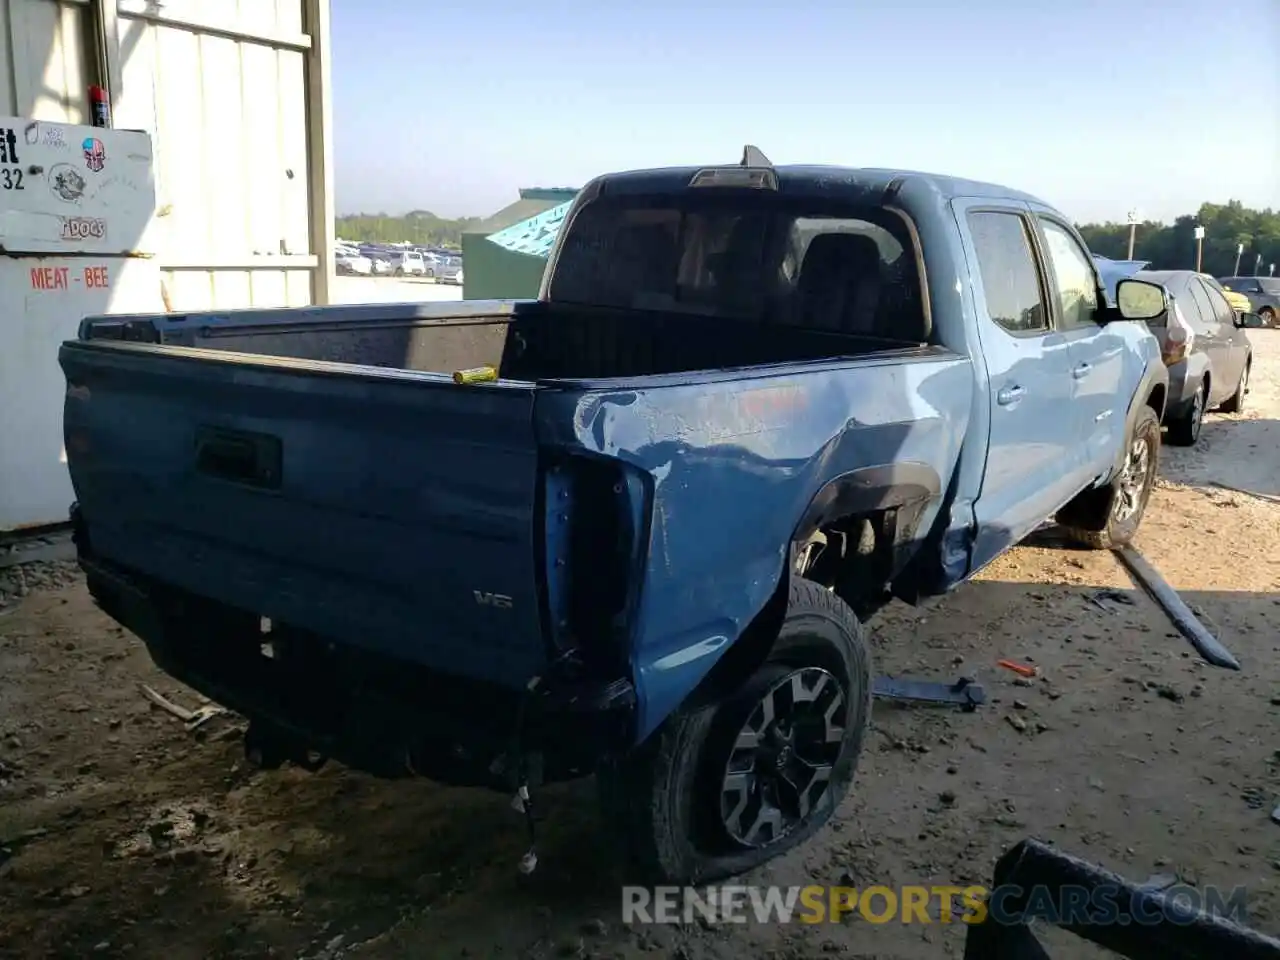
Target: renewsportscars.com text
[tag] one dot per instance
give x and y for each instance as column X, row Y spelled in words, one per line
column 923, row 904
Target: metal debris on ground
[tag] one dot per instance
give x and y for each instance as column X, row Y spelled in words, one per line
column 1206, row 644
column 192, row 718
column 1102, row 599
column 962, row 693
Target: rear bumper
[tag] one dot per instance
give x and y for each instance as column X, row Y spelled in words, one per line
column 389, row 718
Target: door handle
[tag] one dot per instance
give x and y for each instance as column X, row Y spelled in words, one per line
column 1081, row 371
column 1008, row 395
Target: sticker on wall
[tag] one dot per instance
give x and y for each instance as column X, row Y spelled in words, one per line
column 66, row 183
column 83, row 228
column 47, row 135
column 95, row 154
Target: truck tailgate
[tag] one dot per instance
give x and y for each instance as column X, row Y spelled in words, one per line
column 387, row 508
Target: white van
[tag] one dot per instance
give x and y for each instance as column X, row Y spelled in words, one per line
column 408, row 263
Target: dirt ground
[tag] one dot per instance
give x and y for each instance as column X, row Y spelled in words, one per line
column 124, row 835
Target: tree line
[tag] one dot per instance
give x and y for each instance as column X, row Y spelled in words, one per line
column 1168, row 246
column 421, row 227
column 1227, row 228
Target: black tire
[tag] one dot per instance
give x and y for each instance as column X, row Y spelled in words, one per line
column 430, row 274
column 1268, row 316
column 665, row 802
column 399, row 272
column 1235, row 403
column 1109, row 517
column 1184, row 430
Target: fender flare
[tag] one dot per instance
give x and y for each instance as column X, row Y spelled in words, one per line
column 1154, row 384
column 868, row 489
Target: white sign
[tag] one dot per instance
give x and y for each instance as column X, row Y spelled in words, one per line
column 1133, row 218
column 1199, row 233
column 1239, row 249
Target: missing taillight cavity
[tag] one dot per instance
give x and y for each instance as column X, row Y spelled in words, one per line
column 600, row 551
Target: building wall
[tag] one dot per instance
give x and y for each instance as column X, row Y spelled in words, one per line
column 235, row 96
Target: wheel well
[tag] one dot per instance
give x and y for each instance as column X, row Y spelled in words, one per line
column 853, row 555
column 1155, row 400
column 1205, row 380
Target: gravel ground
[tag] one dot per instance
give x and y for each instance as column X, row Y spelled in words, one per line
column 391, row 290
column 124, row 835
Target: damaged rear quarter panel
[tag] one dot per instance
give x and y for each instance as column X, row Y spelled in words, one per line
column 734, row 458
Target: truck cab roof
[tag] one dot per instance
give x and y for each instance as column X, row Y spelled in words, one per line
column 819, row 180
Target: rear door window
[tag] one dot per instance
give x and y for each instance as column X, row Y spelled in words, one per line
column 1221, row 309
column 1204, row 314
column 1007, row 271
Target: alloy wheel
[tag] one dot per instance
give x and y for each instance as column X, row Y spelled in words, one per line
column 1133, row 479
column 781, row 763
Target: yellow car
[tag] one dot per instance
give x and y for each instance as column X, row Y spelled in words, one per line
column 1239, row 302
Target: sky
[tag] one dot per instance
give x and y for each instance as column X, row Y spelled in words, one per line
column 1097, row 106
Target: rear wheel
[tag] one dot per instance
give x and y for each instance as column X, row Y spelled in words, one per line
column 1235, row 404
column 1268, row 316
column 1184, row 430
column 720, row 789
column 1109, row 517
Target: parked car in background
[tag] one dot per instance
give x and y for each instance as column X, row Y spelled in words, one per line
column 1263, row 294
column 1111, row 272
column 408, row 263
column 444, row 268
column 1239, row 302
column 382, row 265
column 352, row 262
column 1205, row 348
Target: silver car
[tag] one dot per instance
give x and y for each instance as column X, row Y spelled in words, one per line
column 1263, row 294
column 444, row 268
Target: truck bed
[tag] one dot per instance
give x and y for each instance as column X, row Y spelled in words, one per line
column 525, row 341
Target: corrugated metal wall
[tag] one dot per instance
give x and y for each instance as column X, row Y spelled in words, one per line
column 46, row 75
column 227, row 88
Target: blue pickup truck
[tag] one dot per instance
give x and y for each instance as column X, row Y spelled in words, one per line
column 750, row 405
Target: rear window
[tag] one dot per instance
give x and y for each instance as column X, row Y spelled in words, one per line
column 758, row 258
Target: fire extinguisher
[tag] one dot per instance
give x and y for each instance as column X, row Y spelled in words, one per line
column 99, row 107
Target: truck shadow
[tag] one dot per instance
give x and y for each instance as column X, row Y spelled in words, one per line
column 1238, row 453
column 184, row 841
column 1121, row 698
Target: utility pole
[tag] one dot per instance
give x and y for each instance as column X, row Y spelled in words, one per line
column 1133, row 230
column 1257, row 265
column 1273, row 271
column 1199, row 247
column 1239, row 254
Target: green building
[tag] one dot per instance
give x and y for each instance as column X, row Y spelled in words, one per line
column 503, row 256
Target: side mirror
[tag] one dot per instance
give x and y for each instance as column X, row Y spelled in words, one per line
column 1139, row 299
column 1249, row 320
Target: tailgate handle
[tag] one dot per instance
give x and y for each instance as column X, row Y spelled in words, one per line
column 241, row 457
